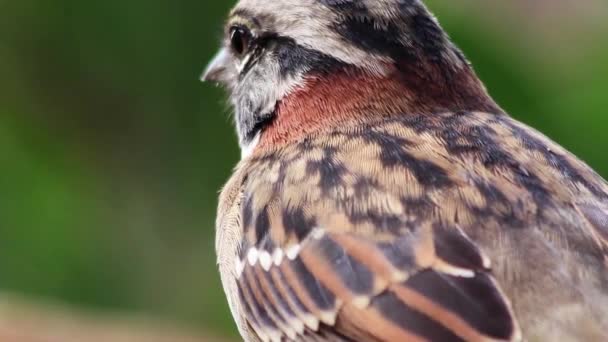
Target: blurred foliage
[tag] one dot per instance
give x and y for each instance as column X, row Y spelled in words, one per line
column 112, row 152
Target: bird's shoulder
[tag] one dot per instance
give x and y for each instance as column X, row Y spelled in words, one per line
column 398, row 223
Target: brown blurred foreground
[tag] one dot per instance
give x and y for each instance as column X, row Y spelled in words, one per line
column 22, row 321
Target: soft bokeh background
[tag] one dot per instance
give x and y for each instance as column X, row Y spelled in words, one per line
column 112, row 152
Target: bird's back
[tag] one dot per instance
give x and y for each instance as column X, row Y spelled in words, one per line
column 449, row 226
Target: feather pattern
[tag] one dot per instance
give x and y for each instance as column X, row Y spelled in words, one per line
column 384, row 196
column 406, row 229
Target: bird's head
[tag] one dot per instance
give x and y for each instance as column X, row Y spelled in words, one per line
column 293, row 67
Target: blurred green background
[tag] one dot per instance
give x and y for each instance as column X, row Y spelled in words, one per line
column 112, row 153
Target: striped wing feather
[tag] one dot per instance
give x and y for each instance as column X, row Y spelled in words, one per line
column 431, row 285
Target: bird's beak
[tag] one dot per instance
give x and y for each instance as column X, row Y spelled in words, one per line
column 217, row 67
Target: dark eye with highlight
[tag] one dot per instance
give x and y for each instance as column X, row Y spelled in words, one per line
column 240, row 38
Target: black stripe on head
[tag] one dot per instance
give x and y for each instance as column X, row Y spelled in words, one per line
column 407, row 38
column 294, row 58
column 367, row 34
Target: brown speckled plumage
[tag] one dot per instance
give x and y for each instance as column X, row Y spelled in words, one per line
column 374, row 208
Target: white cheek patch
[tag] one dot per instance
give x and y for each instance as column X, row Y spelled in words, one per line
column 262, row 92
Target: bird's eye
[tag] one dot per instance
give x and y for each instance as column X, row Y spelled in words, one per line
column 240, row 38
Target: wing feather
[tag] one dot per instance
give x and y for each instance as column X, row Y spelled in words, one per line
column 344, row 281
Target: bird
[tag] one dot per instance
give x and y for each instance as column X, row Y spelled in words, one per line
column 383, row 195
